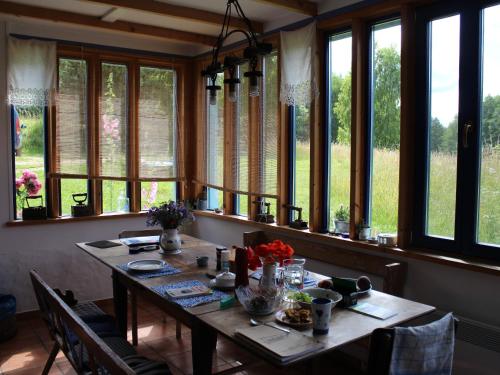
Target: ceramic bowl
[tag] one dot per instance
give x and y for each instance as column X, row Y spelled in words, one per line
column 321, row 293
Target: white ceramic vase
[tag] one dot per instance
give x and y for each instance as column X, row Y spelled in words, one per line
column 170, row 241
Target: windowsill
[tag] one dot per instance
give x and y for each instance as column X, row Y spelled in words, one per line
column 467, row 263
column 70, row 219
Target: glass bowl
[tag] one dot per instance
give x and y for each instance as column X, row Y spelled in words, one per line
column 259, row 300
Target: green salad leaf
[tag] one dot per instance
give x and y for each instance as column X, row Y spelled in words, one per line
column 302, row 297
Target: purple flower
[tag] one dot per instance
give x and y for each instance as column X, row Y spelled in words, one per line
column 169, row 215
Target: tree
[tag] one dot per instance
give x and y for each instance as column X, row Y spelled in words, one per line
column 491, row 121
column 449, row 143
column 342, row 110
column 387, row 98
column 386, row 106
column 437, row 133
column 335, row 84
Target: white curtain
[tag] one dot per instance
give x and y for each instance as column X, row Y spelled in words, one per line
column 298, row 64
column 31, row 72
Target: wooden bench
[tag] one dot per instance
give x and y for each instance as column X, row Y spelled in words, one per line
column 392, row 273
column 88, row 352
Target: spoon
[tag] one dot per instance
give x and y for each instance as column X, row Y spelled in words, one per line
column 254, row 322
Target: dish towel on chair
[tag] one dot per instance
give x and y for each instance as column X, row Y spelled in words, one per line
column 424, row 350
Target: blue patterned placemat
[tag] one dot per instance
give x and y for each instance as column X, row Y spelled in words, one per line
column 189, row 301
column 309, row 281
column 165, row 271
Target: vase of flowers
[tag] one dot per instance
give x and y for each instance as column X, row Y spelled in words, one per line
column 170, row 216
column 270, row 256
column 28, row 186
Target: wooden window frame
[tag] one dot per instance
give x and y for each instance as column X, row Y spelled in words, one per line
column 94, row 57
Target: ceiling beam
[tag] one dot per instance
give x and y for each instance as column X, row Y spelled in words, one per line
column 298, row 6
column 91, row 21
column 179, row 11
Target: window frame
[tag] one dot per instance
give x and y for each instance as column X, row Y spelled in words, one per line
column 94, row 57
column 327, row 131
column 369, row 121
column 469, row 109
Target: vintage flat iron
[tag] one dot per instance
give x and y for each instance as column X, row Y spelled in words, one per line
column 263, row 212
column 298, row 223
column 80, row 209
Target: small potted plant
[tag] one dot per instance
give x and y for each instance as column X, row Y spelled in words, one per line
column 342, row 220
column 170, row 216
column 364, row 230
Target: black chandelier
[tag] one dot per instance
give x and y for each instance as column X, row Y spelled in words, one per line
column 250, row 54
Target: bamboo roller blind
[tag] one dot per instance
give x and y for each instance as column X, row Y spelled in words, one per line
column 258, row 178
column 158, row 150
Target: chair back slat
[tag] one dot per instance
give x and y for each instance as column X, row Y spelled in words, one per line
column 63, row 320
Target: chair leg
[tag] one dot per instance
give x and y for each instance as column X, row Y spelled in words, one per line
column 51, row 359
column 133, row 302
column 178, row 329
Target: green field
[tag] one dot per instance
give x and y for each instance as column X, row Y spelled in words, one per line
column 385, row 190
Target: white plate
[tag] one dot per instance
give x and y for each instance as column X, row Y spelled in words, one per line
column 146, row 265
column 281, row 317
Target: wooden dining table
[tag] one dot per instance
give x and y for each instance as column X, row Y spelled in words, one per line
column 208, row 320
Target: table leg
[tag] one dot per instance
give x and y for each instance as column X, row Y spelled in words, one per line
column 204, row 342
column 120, row 304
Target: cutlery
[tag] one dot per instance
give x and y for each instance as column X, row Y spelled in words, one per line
column 254, row 322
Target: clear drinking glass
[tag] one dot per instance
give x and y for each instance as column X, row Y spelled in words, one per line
column 293, row 273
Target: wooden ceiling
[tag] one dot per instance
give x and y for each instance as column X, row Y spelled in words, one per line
column 181, row 22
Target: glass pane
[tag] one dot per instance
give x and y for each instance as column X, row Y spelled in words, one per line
column 157, row 123
column 241, row 132
column 443, row 121
column 340, row 56
column 113, row 121
column 68, row 188
column 215, row 136
column 215, row 199
column 242, row 204
column 114, row 196
column 29, row 143
column 302, row 161
column 385, row 125
column 269, row 123
column 489, row 191
column 154, row 193
column 71, row 128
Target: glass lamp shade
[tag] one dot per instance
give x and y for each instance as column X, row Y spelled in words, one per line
column 233, row 93
column 213, row 97
column 254, row 90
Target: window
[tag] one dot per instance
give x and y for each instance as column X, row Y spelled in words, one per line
column 269, row 129
column 459, row 153
column 215, row 138
column 384, row 127
column 301, row 160
column 72, row 130
column 158, row 134
column 28, row 131
column 339, row 123
column 113, row 136
column 241, row 133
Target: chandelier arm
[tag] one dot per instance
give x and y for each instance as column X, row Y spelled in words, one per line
column 242, row 15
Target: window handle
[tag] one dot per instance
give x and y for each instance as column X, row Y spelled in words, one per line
column 467, row 129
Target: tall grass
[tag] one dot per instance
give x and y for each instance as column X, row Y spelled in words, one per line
column 385, row 186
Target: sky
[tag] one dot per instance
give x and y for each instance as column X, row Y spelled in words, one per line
column 445, row 58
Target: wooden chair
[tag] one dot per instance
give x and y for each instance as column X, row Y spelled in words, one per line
column 392, row 273
column 85, row 349
column 133, row 296
column 381, row 345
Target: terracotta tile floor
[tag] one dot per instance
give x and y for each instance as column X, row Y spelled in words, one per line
column 28, row 351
